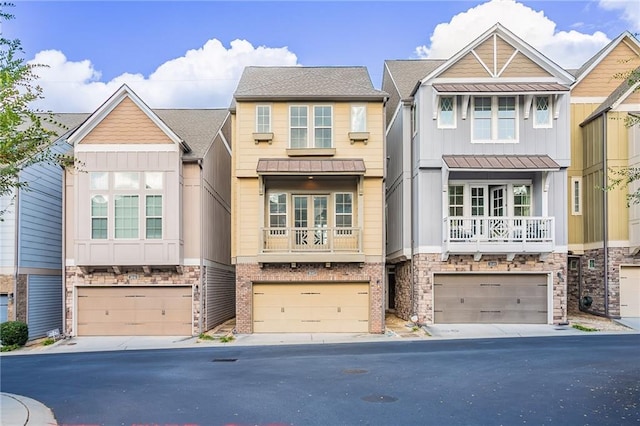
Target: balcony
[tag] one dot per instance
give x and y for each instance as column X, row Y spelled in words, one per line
column 298, row 245
column 498, row 235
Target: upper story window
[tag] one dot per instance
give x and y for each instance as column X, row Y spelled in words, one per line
column 447, row 112
column 263, row 118
column 414, row 119
column 321, row 135
column 126, row 180
column 98, row 180
column 99, row 217
column 576, row 195
column 358, row 118
column 542, row 111
column 344, row 210
column 278, row 210
column 495, row 119
column 522, row 200
column 456, row 200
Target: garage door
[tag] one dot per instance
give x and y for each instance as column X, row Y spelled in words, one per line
column 490, row 299
column 134, row 311
column 630, row 291
column 296, row 308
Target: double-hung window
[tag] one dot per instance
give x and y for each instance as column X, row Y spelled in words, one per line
column 263, row 118
column 126, row 204
column 277, row 213
column 321, row 133
column 344, row 212
column 447, row 112
column 521, row 200
column 495, row 119
column 99, row 182
column 358, row 118
column 542, row 111
column 576, row 195
column 456, row 200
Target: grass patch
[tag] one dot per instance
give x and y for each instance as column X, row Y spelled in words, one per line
column 227, row 339
column 9, row 348
column 204, row 336
column 583, row 328
column 48, row 341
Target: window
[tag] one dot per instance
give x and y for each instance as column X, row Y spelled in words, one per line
column 263, row 118
column 414, row 119
column 99, row 180
column 456, row 200
column 126, row 180
column 298, row 126
column 344, row 210
column 126, row 216
column 358, row 118
column 322, row 126
column 153, row 180
column 447, row 112
column 153, row 224
column 522, row 200
column 576, row 196
column 592, row 264
column 99, row 213
column 278, row 210
column 494, row 118
column 542, row 112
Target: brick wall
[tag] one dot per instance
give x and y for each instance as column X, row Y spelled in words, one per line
column 247, row 274
column 403, row 290
column 6, row 287
column 74, row 277
column 425, row 265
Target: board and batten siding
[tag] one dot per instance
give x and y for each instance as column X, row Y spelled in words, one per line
column 44, row 312
column 221, row 295
column 634, row 209
column 7, row 235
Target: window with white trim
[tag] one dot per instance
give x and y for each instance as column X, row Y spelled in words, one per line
column 321, row 134
column 126, row 219
column 456, row 200
column 99, row 180
column 99, row 217
column 277, row 211
column 263, row 118
column 298, row 126
column 126, row 180
column 447, row 112
column 323, row 126
column 358, row 118
column 576, row 196
column 495, row 119
column 542, row 111
column 522, row 200
column 153, row 212
column 344, row 210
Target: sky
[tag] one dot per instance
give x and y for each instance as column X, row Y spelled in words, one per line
column 191, row 54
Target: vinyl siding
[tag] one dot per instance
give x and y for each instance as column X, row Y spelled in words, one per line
column 221, row 295
column 7, row 233
column 44, row 312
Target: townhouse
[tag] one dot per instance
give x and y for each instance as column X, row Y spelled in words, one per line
column 308, row 200
column 476, row 189
column 147, row 221
column 604, row 232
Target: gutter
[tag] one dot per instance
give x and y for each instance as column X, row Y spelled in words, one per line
column 16, row 254
column 202, row 293
column 605, row 215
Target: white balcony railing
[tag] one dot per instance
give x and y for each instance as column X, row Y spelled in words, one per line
column 296, row 240
column 495, row 235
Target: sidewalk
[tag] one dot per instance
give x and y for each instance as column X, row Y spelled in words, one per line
column 16, row 410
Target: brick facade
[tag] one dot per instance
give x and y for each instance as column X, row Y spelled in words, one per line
column 592, row 279
column 247, row 274
column 74, row 277
column 426, row 265
column 6, row 287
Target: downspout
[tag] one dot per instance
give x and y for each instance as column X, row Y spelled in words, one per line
column 605, row 215
column 16, row 254
column 64, row 251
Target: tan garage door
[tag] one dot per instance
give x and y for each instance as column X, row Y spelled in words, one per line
column 134, row 311
column 490, row 299
column 297, row 308
column 630, row 291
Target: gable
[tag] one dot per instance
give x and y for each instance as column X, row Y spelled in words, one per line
column 496, row 58
column 601, row 81
column 126, row 124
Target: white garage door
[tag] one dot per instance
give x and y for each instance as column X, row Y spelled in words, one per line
column 297, row 308
column 134, row 311
column 490, row 298
column 630, row 291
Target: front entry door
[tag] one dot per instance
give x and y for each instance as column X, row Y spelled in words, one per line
column 310, row 221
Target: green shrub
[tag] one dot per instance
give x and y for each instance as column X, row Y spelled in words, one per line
column 14, row 333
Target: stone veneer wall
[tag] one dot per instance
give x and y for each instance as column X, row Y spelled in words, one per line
column 248, row 273
column 425, row 265
column 6, row 287
column 573, row 276
column 593, row 279
column 20, row 298
column 403, row 290
column 75, row 278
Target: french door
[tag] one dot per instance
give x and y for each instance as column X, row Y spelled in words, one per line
column 310, row 221
column 498, row 225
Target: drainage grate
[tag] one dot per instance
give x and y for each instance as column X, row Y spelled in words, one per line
column 224, row 360
column 355, row 371
column 379, row 398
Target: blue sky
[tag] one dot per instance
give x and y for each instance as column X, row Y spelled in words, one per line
column 191, row 54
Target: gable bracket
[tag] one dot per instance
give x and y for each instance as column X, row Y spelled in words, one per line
column 528, row 100
column 435, row 100
column 556, row 105
column 465, row 106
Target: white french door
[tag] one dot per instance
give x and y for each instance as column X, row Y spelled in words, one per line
column 310, row 221
column 498, row 226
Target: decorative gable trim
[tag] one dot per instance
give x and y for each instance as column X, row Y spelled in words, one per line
column 626, row 37
column 110, row 104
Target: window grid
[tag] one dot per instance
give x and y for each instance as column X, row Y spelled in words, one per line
column 576, row 196
column 153, row 212
column 126, row 216
column 495, row 118
column 542, row 112
column 277, row 210
column 323, row 126
column 446, row 112
column 456, row 200
column 344, row 210
column 263, row 118
column 99, row 217
column 482, row 118
column 298, row 126
column 522, row 200
column 506, row 118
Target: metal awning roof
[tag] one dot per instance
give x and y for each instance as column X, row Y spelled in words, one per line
column 500, row 162
column 299, row 166
column 517, row 88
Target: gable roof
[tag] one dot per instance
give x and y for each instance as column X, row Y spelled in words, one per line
column 297, row 83
column 197, row 127
column 626, row 88
column 110, row 104
column 588, row 66
column 541, row 60
column 406, row 74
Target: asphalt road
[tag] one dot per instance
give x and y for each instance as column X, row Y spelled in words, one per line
column 581, row 380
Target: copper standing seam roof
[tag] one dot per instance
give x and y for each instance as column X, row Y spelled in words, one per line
column 307, row 166
column 499, row 87
column 500, row 162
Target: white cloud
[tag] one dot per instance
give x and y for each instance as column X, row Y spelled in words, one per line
column 630, row 11
column 569, row 49
column 202, row 78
